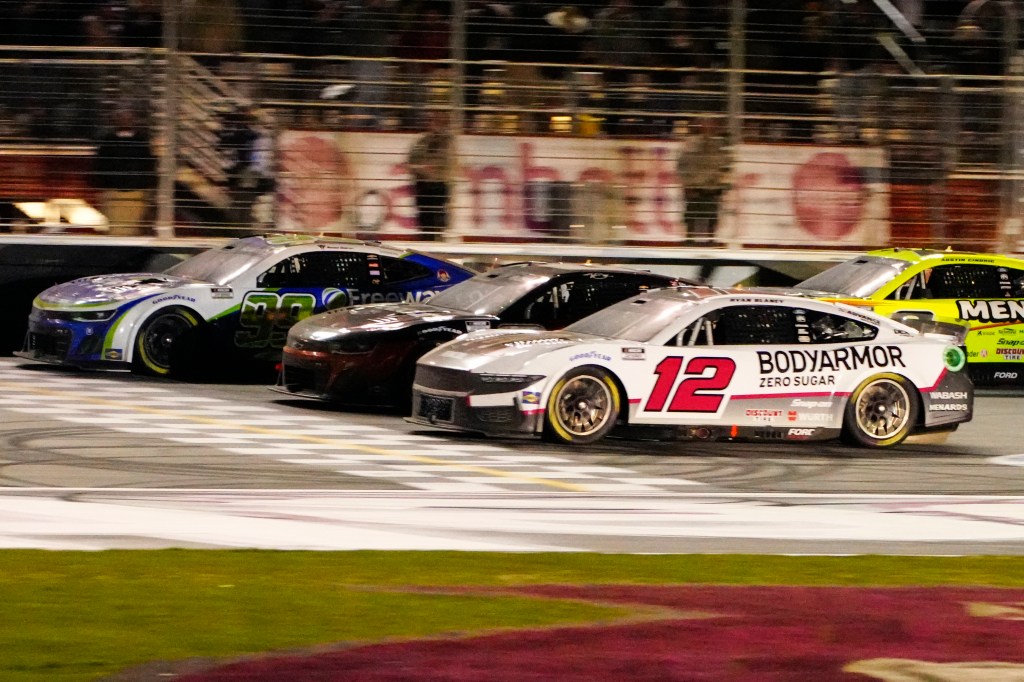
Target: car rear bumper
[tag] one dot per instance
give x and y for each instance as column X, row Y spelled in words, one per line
column 950, row 401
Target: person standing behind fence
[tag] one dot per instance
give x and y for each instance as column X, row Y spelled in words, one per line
column 703, row 168
column 247, row 147
column 428, row 162
column 125, row 174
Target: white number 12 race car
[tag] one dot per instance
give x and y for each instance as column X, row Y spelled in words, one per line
column 709, row 364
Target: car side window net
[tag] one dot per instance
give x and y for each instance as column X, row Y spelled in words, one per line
column 594, row 291
column 741, row 326
column 755, row 325
column 277, row 275
column 699, row 333
column 317, row 269
column 544, row 309
column 1011, row 282
column 393, row 270
column 964, row 281
column 914, row 288
column 828, row 328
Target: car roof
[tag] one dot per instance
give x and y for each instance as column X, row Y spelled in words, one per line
column 944, row 256
column 515, row 270
column 703, row 294
column 275, row 243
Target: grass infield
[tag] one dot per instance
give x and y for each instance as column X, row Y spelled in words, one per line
column 85, row 615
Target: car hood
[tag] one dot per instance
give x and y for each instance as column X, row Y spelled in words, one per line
column 376, row 317
column 109, row 289
column 518, row 343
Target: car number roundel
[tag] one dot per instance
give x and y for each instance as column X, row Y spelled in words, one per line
column 699, row 390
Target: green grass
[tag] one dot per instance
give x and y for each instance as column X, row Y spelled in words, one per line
column 78, row 616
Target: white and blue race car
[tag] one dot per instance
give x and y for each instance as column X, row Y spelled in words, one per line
column 706, row 364
column 237, row 301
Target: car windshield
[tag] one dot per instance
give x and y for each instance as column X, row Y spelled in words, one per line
column 489, row 293
column 636, row 319
column 222, row 265
column 860, row 277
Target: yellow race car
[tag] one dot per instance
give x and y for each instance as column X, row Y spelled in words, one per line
column 984, row 292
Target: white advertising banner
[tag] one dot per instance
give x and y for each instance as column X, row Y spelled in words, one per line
column 806, row 195
column 584, row 189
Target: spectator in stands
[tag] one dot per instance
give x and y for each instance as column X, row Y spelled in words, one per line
column 838, row 89
column 267, row 25
column 123, row 23
column 489, row 29
column 425, row 36
column 672, row 33
column 703, row 168
column 560, row 39
column 429, row 164
column 621, row 41
column 372, row 21
column 211, row 26
column 35, row 91
column 125, row 174
column 143, row 24
column 247, row 145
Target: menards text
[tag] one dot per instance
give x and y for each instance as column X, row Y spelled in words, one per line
column 992, row 311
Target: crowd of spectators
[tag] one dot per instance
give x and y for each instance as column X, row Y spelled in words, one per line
column 799, row 35
column 826, row 71
column 657, row 57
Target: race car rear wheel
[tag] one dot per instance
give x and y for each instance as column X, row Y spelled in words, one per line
column 160, row 343
column 583, row 407
column 881, row 412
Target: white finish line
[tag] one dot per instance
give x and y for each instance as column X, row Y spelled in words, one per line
column 430, row 463
column 93, row 519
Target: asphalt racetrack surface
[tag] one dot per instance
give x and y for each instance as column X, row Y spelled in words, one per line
column 109, row 460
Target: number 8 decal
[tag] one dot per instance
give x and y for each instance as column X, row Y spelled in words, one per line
column 690, row 395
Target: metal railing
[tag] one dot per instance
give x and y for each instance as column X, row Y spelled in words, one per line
column 934, row 128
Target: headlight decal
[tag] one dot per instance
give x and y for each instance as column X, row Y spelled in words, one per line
column 489, row 378
column 487, row 382
column 954, row 358
column 93, row 315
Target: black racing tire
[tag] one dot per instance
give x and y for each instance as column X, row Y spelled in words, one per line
column 881, row 412
column 167, row 342
column 583, row 407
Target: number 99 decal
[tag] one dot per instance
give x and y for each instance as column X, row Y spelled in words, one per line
column 694, row 393
column 266, row 317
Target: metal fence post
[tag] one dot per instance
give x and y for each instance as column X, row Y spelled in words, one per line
column 1010, row 233
column 169, row 155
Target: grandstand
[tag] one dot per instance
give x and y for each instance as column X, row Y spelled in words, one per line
column 850, row 122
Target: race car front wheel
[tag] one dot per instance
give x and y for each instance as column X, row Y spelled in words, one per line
column 583, row 407
column 160, row 343
column 880, row 412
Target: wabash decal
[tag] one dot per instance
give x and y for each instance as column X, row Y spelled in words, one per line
column 992, row 311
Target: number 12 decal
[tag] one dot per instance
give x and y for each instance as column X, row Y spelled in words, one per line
column 691, row 394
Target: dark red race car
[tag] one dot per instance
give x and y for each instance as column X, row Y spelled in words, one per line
column 366, row 354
